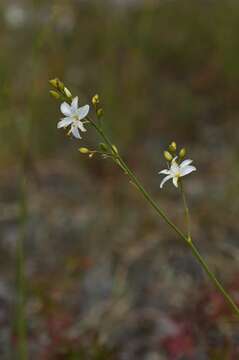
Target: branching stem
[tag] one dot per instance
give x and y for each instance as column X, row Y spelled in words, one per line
column 186, row 238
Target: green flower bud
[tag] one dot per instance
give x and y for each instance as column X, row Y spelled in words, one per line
column 100, row 113
column 182, row 153
column 167, row 156
column 173, row 146
column 84, row 150
column 61, row 85
column 103, row 147
column 67, row 92
column 54, row 83
column 95, row 100
column 115, row 149
column 55, row 94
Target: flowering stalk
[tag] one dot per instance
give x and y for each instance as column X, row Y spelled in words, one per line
column 186, row 209
column 175, row 173
column 161, row 213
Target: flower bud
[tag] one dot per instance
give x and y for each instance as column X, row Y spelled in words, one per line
column 61, row 85
column 95, row 100
column 84, row 150
column 115, row 149
column 100, row 113
column 182, row 153
column 173, row 146
column 55, row 94
column 54, row 83
column 67, row 92
column 103, row 147
column 167, row 156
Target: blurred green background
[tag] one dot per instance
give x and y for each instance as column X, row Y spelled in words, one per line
column 106, row 279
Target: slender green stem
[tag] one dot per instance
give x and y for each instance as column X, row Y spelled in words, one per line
column 216, row 282
column 186, row 209
column 138, row 184
column 197, row 254
column 160, row 212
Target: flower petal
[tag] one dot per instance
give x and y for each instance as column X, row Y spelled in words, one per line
column 75, row 132
column 186, row 163
column 74, row 104
column 64, row 122
column 165, row 172
column 164, row 180
column 66, row 109
column 175, row 181
column 174, row 167
column 187, row 170
column 80, row 126
column 83, row 111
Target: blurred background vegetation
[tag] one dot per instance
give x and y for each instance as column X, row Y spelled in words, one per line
column 105, row 279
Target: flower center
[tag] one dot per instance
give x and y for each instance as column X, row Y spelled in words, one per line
column 74, row 124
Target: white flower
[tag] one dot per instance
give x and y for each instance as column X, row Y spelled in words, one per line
column 73, row 116
column 176, row 171
column 15, row 15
